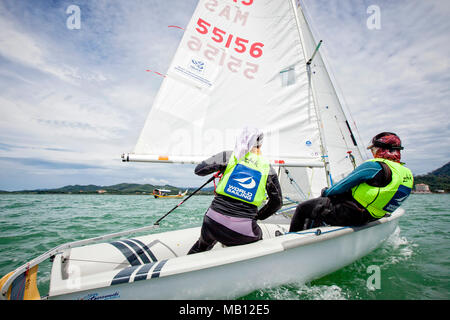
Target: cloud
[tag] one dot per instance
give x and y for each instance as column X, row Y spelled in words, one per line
column 8, row 147
column 41, row 163
column 20, row 47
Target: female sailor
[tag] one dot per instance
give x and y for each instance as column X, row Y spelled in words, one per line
column 247, row 179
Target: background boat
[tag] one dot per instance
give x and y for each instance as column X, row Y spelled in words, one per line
column 165, row 194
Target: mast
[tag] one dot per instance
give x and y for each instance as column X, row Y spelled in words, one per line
column 341, row 151
column 311, row 91
column 333, row 87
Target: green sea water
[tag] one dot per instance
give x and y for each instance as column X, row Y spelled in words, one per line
column 413, row 264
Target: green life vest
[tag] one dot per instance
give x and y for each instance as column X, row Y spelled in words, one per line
column 245, row 179
column 379, row 201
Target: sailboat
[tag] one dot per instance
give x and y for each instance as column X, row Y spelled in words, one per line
column 165, row 194
column 240, row 63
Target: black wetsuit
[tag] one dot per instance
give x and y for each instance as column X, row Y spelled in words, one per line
column 336, row 206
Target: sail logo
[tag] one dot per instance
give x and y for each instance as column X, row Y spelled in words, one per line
column 197, row 65
column 243, row 183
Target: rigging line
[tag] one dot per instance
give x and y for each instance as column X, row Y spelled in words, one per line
column 295, row 184
column 342, row 134
column 352, row 159
column 96, row 261
column 286, row 209
column 292, row 201
column 323, row 147
column 349, row 152
column 310, row 182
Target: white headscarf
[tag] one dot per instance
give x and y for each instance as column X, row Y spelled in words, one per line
column 247, row 140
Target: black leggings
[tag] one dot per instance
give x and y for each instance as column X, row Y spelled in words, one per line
column 335, row 212
column 213, row 231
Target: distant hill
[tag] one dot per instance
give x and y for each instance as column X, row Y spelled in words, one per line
column 442, row 171
column 438, row 179
column 122, row 188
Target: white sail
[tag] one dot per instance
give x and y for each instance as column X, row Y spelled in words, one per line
column 339, row 141
column 239, row 64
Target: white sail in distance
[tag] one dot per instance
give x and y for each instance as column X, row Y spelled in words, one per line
column 244, row 63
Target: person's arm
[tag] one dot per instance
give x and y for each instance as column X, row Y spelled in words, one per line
column 275, row 202
column 213, row 164
column 363, row 173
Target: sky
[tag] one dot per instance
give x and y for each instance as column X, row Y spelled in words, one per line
column 72, row 100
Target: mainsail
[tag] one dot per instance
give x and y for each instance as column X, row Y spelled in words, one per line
column 245, row 63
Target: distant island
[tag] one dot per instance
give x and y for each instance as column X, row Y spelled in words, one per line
column 437, row 180
column 122, row 188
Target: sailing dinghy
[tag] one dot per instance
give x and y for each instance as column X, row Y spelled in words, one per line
column 239, row 63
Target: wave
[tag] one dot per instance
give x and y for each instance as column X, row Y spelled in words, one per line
column 397, row 248
column 300, row 291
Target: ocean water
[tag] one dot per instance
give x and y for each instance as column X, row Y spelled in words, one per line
column 413, row 264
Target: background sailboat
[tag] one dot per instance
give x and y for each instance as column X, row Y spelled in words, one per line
column 166, row 194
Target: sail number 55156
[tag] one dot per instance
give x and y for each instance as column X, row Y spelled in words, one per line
column 239, row 44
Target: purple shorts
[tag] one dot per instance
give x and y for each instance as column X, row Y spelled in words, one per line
column 240, row 225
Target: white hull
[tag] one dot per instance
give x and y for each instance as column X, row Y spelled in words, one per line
column 222, row 273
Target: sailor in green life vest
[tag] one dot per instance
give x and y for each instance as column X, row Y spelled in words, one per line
column 247, row 179
column 374, row 189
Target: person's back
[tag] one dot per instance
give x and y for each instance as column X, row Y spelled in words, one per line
column 247, row 178
column 382, row 200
